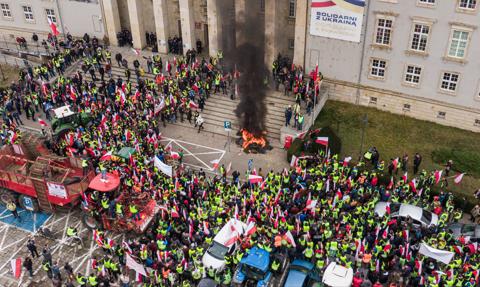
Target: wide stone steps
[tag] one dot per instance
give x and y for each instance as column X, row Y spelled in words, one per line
column 219, row 108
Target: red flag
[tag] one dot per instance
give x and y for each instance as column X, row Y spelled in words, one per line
column 73, row 94
column 175, row 155
column 251, row 228
column 322, row 140
column 136, row 51
column 106, row 156
column 215, row 163
column 42, row 122
column 254, row 178
column 390, row 185
column 438, row 175
column 458, row 178
column 16, row 267
column 53, row 27
column 174, row 213
column 413, row 185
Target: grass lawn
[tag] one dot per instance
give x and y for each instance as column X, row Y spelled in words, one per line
column 394, row 135
column 10, row 73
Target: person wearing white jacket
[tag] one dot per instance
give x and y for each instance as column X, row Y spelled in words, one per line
column 199, row 123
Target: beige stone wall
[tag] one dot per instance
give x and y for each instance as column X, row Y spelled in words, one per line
column 200, row 17
column 147, row 16
column 124, row 16
column 420, row 108
column 285, row 28
column 173, row 18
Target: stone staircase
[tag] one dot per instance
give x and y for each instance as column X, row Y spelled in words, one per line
column 220, row 108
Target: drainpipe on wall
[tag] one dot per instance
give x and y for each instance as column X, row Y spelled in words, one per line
column 359, row 80
column 60, row 19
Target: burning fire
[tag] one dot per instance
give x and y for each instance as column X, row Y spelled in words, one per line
column 249, row 138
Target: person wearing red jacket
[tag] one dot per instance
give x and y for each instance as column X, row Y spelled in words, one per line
column 357, row 280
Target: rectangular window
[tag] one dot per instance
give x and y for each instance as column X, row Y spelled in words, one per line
column 420, row 37
column 413, row 74
column 6, row 10
column 441, row 115
column 262, row 5
column 428, row 2
column 291, row 8
column 291, row 43
column 27, row 11
column 51, row 15
column 373, row 100
column 384, row 31
column 406, row 107
column 377, row 68
column 477, row 123
column 449, row 82
column 467, row 4
column 458, row 44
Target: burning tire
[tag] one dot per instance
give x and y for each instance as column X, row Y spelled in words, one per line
column 90, row 222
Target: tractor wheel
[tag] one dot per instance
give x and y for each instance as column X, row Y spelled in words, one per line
column 7, row 195
column 33, row 206
column 90, row 222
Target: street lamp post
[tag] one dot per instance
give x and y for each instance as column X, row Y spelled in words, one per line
column 364, row 126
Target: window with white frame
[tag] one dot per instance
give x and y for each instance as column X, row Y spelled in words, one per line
column 27, row 11
column 449, row 81
column 51, row 15
column 467, row 4
column 458, row 43
column 6, row 10
column 384, row 31
column 377, row 68
column 291, row 8
column 413, row 74
column 427, row 2
column 419, row 37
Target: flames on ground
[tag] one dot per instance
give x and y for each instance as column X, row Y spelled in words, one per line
column 251, row 143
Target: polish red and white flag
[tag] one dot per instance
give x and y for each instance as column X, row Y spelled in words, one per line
column 16, row 267
column 459, row 178
column 53, row 27
column 322, row 140
column 42, row 122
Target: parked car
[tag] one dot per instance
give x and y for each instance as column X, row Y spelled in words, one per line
column 302, row 273
column 470, row 230
column 419, row 215
column 223, row 244
column 337, row 276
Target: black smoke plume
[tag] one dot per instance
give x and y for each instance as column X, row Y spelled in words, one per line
column 247, row 56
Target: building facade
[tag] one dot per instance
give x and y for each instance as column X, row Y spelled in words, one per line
column 415, row 57
column 25, row 17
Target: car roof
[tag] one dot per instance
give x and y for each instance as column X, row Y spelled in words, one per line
column 207, row 282
column 413, row 211
column 257, row 257
column 337, row 275
column 227, row 232
column 295, row 278
column 305, row 264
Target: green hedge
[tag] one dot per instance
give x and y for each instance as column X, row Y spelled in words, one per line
column 298, row 145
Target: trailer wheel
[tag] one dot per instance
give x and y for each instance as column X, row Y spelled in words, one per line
column 28, row 203
column 90, row 222
column 7, row 195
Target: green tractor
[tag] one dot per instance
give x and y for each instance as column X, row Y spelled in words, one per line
column 65, row 120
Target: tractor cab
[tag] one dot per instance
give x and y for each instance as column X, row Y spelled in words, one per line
column 101, row 211
column 65, row 120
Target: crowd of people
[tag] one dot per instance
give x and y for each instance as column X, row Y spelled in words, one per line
column 321, row 209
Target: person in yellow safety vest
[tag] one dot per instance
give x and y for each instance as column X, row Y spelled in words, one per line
column 81, row 280
column 92, row 280
column 308, row 253
column 85, row 167
column 105, row 203
column 119, row 209
column 71, row 231
column 134, row 211
column 275, row 265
